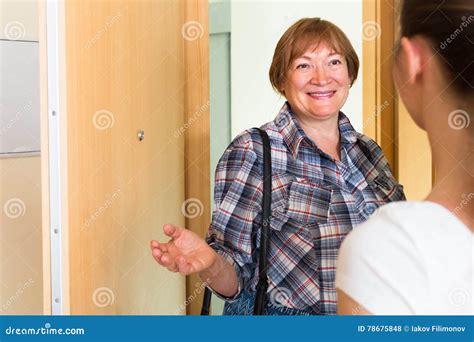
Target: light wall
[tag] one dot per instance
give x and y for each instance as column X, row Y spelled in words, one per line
column 21, row 280
column 256, row 28
column 21, row 284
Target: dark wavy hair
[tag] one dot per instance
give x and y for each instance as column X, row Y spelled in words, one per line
column 449, row 26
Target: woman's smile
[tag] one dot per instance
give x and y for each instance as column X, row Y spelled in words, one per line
column 322, row 95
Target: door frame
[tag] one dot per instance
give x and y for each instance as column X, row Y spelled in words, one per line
column 385, row 118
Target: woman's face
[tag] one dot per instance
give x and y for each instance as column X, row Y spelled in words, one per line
column 317, row 83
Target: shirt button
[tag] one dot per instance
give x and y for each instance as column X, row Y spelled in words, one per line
column 370, row 208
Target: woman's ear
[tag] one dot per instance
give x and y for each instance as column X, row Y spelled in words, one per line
column 282, row 87
column 410, row 56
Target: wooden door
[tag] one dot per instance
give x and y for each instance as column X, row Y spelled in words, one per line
column 125, row 75
column 414, row 162
column 386, row 120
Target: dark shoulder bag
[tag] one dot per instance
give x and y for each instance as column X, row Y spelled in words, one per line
column 262, row 285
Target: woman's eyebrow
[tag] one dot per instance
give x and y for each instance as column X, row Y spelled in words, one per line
column 329, row 55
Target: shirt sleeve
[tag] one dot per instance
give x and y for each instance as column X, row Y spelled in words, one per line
column 380, row 267
column 380, row 162
column 237, row 198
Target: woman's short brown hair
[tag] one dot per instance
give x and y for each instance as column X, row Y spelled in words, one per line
column 301, row 36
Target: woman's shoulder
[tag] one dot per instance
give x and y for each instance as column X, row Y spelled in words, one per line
column 410, row 223
column 369, row 144
column 251, row 140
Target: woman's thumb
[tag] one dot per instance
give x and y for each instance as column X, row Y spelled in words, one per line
column 171, row 230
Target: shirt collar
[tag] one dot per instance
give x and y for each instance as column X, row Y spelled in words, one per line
column 293, row 134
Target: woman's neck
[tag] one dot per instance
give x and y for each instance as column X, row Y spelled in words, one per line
column 453, row 159
column 325, row 134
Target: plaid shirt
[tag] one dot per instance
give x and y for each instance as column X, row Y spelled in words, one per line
column 316, row 201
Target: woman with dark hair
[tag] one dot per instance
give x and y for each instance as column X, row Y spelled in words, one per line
column 326, row 179
column 417, row 257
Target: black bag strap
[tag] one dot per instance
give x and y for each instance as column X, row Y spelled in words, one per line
column 262, row 285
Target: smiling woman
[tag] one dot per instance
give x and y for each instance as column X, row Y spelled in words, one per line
column 326, row 178
column 315, row 77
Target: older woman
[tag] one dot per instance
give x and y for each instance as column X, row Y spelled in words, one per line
column 326, row 179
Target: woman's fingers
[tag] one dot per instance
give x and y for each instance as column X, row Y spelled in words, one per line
column 163, row 247
column 157, row 255
column 153, row 244
column 172, row 231
column 163, row 257
column 169, row 263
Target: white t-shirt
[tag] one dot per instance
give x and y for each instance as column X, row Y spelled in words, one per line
column 409, row 258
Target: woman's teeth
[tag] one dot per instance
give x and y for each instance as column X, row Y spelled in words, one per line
column 322, row 94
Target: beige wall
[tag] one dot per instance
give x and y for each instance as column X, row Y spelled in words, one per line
column 19, row 20
column 21, row 282
column 20, row 236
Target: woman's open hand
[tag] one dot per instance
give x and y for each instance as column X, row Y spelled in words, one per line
column 185, row 253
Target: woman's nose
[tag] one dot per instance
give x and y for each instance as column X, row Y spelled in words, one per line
column 319, row 77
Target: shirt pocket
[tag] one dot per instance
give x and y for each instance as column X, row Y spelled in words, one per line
column 308, row 203
column 305, row 204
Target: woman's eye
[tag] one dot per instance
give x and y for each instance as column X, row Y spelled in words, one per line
column 302, row 66
column 335, row 62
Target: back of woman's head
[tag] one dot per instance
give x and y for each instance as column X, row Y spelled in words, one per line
column 449, row 26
